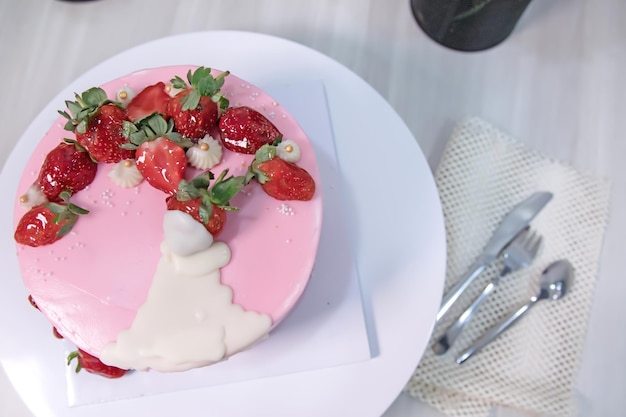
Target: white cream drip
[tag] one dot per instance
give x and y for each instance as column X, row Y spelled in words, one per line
column 188, row 319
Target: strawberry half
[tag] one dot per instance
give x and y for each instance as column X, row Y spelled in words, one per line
column 94, row 365
column 152, row 99
column 278, row 178
column 159, row 152
column 66, row 167
column 245, row 130
column 45, row 224
column 162, row 163
column 195, row 109
column 207, row 205
column 98, row 124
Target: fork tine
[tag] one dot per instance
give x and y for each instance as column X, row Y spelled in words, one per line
column 522, row 236
column 530, row 237
column 534, row 242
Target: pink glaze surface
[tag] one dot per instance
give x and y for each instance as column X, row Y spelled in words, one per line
column 90, row 283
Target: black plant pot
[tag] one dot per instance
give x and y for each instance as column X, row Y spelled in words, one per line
column 468, row 25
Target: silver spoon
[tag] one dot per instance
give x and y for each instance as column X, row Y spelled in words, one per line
column 554, row 283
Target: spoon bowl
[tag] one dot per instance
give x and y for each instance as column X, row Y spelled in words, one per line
column 555, row 280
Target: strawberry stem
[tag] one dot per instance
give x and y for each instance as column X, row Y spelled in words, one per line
column 74, row 355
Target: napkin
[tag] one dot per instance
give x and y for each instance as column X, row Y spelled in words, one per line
column 532, row 367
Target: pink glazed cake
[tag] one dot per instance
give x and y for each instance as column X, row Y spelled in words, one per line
column 120, row 287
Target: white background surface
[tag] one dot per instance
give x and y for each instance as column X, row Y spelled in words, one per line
column 556, row 84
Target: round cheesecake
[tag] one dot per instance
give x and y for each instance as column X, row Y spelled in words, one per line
column 116, row 286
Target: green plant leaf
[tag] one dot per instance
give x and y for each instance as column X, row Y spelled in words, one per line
column 191, row 100
column 158, row 124
column 94, row 97
column 178, row 83
column 205, row 212
column 203, row 180
column 223, row 191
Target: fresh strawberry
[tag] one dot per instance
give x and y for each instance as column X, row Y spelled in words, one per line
column 32, row 302
column 152, row 99
column 245, row 130
column 104, row 135
column 194, row 123
column 159, row 152
column 280, row 179
column 66, row 167
column 98, row 124
column 207, row 205
column 195, row 109
column 94, row 365
column 56, row 333
column 45, row 224
column 217, row 218
column 285, row 180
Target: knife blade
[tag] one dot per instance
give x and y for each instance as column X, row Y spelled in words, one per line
column 517, row 219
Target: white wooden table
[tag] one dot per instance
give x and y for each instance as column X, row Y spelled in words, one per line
column 556, row 83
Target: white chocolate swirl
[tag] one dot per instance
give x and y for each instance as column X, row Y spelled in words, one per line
column 205, row 154
column 288, row 150
column 124, row 95
column 125, row 174
column 33, row 197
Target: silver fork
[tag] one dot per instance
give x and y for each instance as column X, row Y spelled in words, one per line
column 517, row 255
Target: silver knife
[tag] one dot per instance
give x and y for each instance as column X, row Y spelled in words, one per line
column 516, row 220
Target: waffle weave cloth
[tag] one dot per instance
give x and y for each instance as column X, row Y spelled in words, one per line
column 532, row 367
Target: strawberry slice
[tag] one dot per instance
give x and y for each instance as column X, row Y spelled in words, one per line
column 45, row 224
column 98, row 124
column 245, row 130
column 162, row 163
column 66, row 167
column 207, row 205
column 195, row 109
column 159, row 152
column 152, row 99
column 280, row 179
column 94, row 365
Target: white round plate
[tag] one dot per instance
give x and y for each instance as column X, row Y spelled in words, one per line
column 395, row 217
